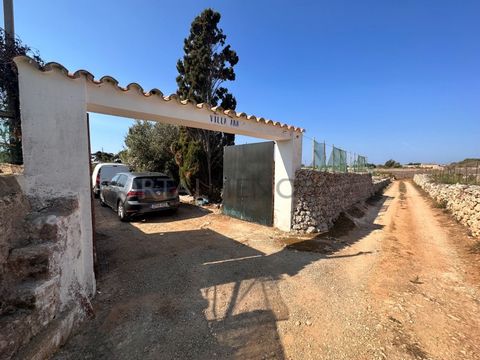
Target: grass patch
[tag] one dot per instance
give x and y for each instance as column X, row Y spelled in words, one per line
column 403, row 190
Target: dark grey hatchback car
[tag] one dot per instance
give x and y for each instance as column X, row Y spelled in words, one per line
column 130, row 194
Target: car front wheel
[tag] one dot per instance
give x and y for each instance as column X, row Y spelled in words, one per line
column 102, row 200
column 122, row 215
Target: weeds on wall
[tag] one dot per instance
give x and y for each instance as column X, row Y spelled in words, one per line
column 10, row 128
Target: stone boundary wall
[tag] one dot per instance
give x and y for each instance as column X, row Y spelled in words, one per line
column 320, row 197
column 43, row 297
column 463, row 201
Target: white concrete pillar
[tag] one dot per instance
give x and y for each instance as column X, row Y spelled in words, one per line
column 55, row 148
column 288, row 159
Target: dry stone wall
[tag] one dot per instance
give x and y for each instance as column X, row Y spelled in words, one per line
column 320, row 197
column 42, row 297
column 463, row 201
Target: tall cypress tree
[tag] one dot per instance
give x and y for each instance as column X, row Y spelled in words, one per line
column 207, row 63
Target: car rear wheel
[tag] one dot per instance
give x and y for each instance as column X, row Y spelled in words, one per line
column 122, row 215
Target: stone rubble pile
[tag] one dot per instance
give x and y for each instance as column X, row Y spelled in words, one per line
column 463, row 201
column 320, row 197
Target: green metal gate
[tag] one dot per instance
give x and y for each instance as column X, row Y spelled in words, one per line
column 248, row 182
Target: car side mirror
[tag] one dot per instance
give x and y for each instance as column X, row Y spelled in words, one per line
column 105, row 183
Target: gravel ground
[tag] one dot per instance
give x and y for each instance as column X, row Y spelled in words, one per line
column 200, row 285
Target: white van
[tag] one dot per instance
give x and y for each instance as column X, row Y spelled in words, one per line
column 105, row 172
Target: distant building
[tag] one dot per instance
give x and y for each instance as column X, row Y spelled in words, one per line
column 431, row 166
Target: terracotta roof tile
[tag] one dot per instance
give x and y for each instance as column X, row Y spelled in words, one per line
column 154, row 92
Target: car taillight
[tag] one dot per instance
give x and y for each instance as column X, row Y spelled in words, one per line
column 135, row 193
column 98, row 179
column 173, row 190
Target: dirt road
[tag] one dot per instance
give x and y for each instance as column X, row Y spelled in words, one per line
column 199, row 285
column 425, row 282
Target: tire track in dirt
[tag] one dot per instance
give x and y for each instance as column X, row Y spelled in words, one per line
column 427, row 306
column 201, row 285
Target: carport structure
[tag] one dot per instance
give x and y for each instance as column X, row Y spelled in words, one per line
column 54, row 105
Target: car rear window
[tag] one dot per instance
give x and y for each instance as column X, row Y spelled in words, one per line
column 107, row 172
column 159, row 182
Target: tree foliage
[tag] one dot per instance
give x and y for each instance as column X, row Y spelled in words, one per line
column 10, row 129
column 207, row 63
column 188, row 155
column 392, row 164
column 105, row 157
column 150, row 147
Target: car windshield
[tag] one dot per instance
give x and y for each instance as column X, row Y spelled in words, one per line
column 161, row 183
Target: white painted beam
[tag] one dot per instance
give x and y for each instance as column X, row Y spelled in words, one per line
column 106, row 98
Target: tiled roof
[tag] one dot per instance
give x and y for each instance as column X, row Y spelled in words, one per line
column 108, row 79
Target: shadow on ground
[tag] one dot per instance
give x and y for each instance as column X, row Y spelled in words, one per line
column 350, row 227
column 182, row 294
column 186, row 211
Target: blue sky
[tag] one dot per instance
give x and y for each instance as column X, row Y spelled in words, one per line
column 384, row 78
